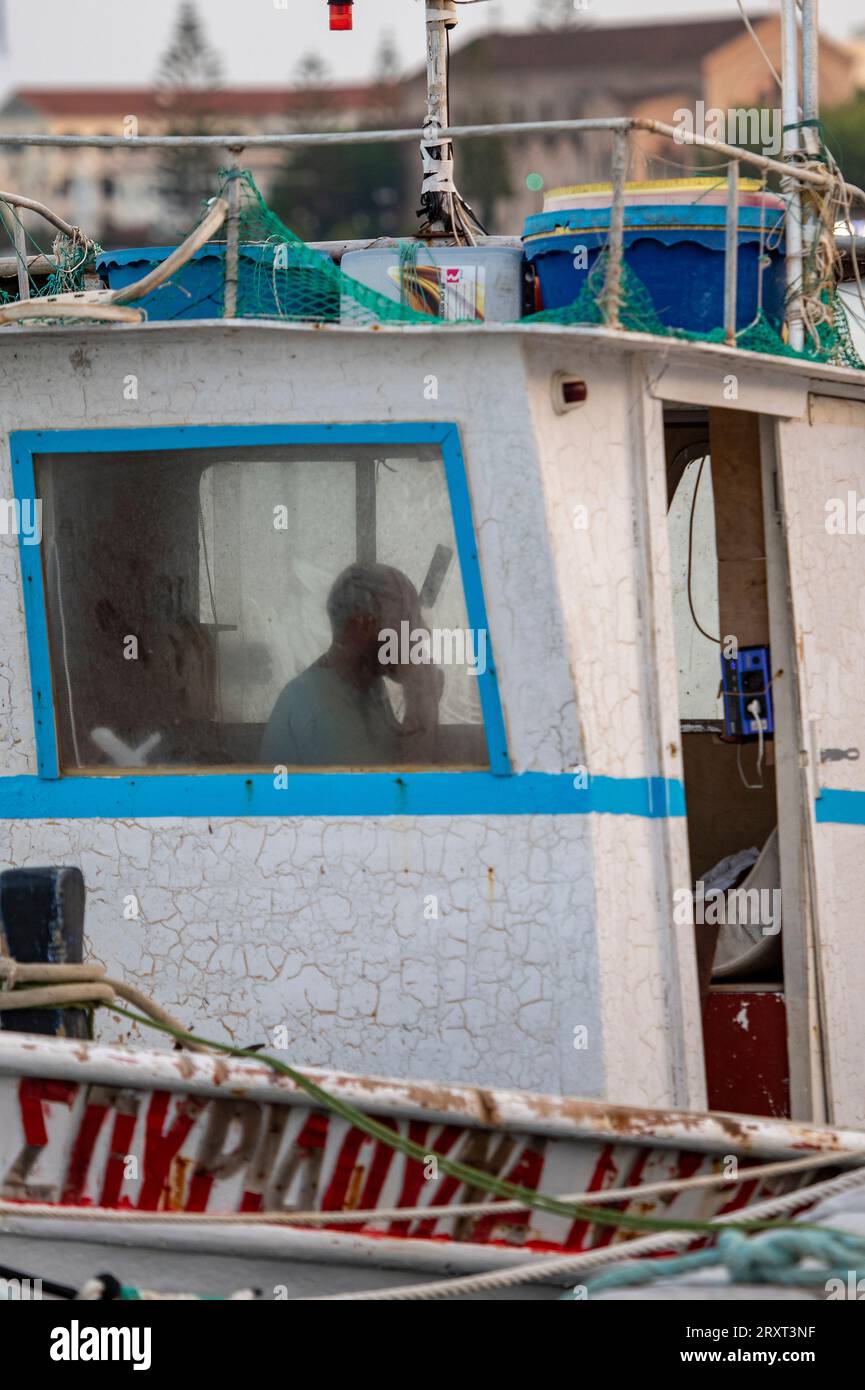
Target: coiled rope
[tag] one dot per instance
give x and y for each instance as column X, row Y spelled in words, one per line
column 65, row 986
column 774, row 1257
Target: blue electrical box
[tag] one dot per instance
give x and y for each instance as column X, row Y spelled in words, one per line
column 747, row 689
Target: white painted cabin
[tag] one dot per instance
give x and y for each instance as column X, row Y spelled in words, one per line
column 506, row 919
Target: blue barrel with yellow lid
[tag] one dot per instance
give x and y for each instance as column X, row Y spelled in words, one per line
column 674, row 244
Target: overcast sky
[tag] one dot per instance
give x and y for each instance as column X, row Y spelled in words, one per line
column 118, row 42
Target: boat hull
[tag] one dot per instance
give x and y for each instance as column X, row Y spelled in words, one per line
column 105, row 1129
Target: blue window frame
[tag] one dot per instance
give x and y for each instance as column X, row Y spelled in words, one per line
column 237, row 792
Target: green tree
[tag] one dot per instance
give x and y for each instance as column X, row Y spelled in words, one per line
column 311, row 71
column 387, row 67
column 844, row 133
column 482, row 166
column 484, row 175
column 560, row 14
column 188, row 78
column 336, row 192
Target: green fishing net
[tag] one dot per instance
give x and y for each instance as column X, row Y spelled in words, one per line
column 69, row 260
column 637, row 314
column 279, row 276
column 272, row 273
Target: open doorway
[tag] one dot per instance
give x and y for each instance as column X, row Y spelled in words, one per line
column 727, row 719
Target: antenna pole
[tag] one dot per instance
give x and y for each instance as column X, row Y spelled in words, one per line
column 437, row 189
column 441, row 16
column 790, row 188
column 811, row 139
column 810, row 64
column 444, row 211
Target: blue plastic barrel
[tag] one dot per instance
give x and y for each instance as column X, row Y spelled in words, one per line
column 677, row 252
column 195, row 292
column 293, row 291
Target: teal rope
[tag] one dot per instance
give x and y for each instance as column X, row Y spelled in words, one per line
column 129, row 1294
column 774, row 1257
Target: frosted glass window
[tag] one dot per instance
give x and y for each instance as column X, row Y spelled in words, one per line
column 258, row 607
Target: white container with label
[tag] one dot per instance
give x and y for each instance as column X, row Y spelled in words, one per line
column 453, row 283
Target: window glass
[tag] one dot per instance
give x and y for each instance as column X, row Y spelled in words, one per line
column 698, row 657
column 258, row 607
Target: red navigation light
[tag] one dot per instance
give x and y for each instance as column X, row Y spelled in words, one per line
column 340, row 13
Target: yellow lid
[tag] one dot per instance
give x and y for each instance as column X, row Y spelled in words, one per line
column 652, row 186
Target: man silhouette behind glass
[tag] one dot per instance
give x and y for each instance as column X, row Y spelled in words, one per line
column 336, row 713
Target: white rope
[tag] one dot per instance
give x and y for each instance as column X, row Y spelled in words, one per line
column 569, row 1265
column 751, row 30
column 41, row 1210
column 68, row 984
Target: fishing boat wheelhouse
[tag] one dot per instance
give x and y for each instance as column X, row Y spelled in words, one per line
column 586, row 516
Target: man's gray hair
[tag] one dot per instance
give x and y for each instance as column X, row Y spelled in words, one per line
column 362, row 590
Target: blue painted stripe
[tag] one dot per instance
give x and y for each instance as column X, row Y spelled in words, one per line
column 840, row 807
column 160, row 437
column 337, row 794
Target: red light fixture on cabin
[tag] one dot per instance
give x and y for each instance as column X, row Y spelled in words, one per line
column 340, row 13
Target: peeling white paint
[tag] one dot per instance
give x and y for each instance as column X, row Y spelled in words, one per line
column 821, row 459
column 546, row 923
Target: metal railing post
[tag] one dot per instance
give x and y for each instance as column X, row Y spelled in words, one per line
column 232, row 239
column 612, row 295
column 789, row 186
column 19, row 240
column 810, row 137
column 811, row 71
column 731, row 253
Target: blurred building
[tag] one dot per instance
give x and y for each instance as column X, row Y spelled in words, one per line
column 650, row 69
column 116, row 194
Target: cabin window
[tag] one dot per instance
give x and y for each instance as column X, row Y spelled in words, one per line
column 258, row 607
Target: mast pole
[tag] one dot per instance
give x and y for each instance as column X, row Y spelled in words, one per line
column 790, row 188
column 437, row 190
column 811, row 65
column 811, row 139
